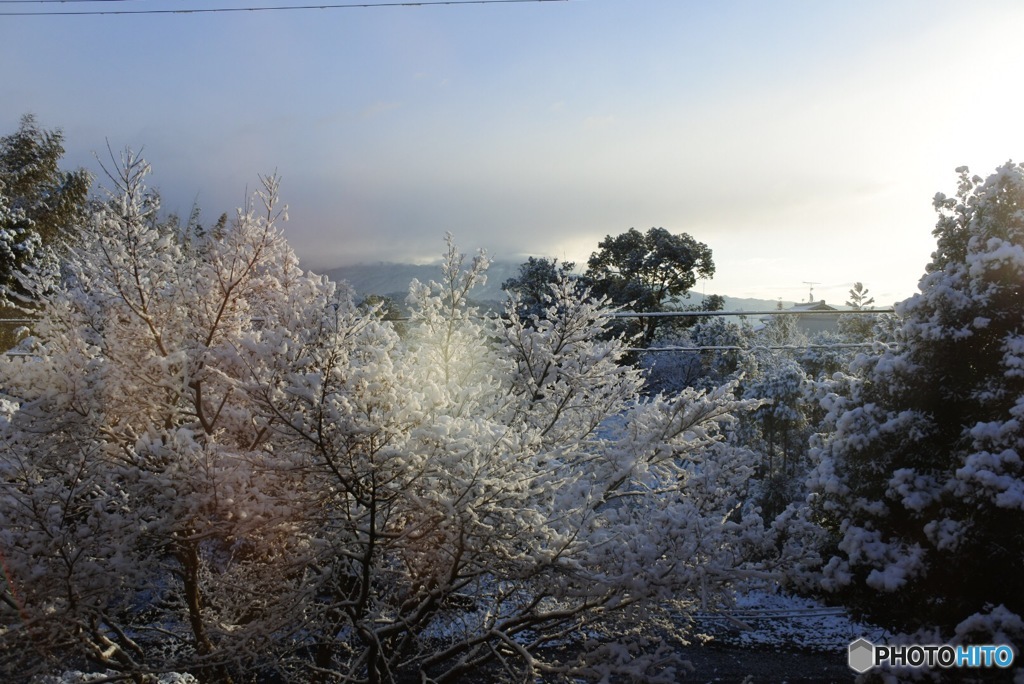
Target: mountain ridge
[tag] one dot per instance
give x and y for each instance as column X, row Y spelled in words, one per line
column 391, row 279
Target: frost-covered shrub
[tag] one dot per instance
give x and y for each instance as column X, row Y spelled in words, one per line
column 922, row 484
column 779, row 423
column 503, row 488
column 219, row 465
column 825, row 355
column 143, row 524
column 778, row 429
column 671, row 371
column 719, row 361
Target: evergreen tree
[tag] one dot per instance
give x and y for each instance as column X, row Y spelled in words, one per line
column 532, row 287
column 922, row 483
column 859, row 297
column 858, row 328
column 824, row 356
column 720, row 361
column 648, row 272
column 38, row 201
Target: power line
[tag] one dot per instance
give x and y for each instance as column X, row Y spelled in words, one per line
column 819, row 313
column 756, row 347
column 276, row 8
column 650, row 314
column 53, row 2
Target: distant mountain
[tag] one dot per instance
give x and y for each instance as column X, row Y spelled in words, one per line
column 392, row 280
column 752, row 304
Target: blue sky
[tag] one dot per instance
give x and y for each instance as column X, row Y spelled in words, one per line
column 802, row 141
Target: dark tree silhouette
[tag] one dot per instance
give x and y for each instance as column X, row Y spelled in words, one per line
column 647, row 272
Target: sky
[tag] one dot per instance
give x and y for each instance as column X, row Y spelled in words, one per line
column 802, row 141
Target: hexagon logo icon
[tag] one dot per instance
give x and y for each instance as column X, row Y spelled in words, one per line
column 862, row 655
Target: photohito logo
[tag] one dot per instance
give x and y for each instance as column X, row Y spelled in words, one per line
column 864, row 655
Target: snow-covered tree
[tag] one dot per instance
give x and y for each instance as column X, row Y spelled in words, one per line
column 218, row 464
column 826, row 354
column 38, row 201
column 533, row 283
column 722, row 357
column 782, row 331
column 18, row 243
column 498, row 487
column 778, row 431
column 735, row 337
column 142, row 529
column 781, row 421
column 922, row 484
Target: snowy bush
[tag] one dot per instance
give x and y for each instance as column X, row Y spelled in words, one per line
column 719, row 362
column 219, row 465
column 824, row 355
column 921, row 484
column 140, row 526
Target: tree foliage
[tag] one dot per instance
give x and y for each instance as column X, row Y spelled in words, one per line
column 217, row 463
column 921, row 483
column 142, row 519
column 38, row 201
column 721, row 358
column 647, row 271
column 859, row 297
column 858, row 328
column 781, row 420
column 532, row 287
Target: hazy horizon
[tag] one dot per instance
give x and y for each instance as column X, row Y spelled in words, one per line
column 802, row 142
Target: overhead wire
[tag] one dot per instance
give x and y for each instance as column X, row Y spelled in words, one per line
column 54, row 2
column 274, row 8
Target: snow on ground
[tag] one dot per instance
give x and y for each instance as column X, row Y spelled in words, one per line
column 97, row 677
column 762, row 618
column 759, row 622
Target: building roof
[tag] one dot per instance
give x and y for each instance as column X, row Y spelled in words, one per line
column 813, row 306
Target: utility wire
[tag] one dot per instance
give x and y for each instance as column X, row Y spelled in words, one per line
column 815, row 313
column 278, row 8
column 53, row 2
column 756, row 347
